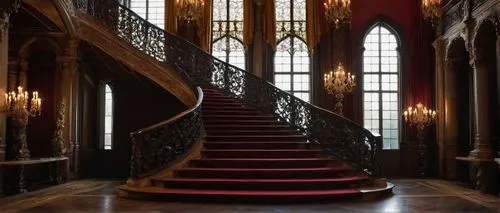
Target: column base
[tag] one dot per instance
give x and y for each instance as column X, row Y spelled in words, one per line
column 478, row 153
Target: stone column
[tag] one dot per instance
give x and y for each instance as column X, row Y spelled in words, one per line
column 67, row 92
column 4, row 63
column 258, row 48
column 482, row 136
column 447, row 118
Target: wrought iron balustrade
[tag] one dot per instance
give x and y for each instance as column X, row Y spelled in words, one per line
column 342, row 138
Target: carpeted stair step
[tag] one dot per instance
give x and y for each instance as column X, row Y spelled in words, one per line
column 229, row 112
column 257, row 138
column 253, row 173
column 248, row 127
column 251, row 132
column 239, row 117
column 217, row 104
column 260, row 153
column 263, row 184
column 246, row 196
column 260, row 162
column 229, row 108
column 255, row 145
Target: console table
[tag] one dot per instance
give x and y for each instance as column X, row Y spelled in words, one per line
column 13, row 174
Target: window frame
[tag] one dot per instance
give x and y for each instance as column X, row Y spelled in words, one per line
column 227, row 33
column 291, row 34
column 102, row 115
column 128, row 4
column 379, row 74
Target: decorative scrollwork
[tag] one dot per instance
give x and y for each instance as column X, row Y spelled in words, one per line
column 155, row 147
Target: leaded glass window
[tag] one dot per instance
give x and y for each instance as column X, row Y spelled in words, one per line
column 151, row 10
column 107, row 117
column 381, row 74
column 292, row 60
column 227, row 32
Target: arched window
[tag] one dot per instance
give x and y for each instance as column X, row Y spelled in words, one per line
column 106, row 130
column 381, row 79
column 227, row 32
column 292, row 60
column 151, row 10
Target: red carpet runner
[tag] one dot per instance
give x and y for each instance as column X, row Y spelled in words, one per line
column 252, row 157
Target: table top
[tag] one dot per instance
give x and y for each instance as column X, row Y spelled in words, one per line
column 32, row 161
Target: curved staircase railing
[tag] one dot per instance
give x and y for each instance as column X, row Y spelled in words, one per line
column 342, row 138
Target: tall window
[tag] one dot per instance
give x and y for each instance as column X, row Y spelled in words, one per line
column 227, row 32
column 291, row 60
column 151, row 10
column 381, row 72
column 106, row 117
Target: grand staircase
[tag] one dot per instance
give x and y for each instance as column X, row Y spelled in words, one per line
column 261, row 144
column 249, row 156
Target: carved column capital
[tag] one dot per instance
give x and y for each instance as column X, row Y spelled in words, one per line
column 7, row 7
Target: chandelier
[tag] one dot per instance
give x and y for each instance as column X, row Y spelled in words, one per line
column 420, row 117
column 190, row 10
column 338, row 83
column 431, row 9
column 338, row 11
column 16, row 107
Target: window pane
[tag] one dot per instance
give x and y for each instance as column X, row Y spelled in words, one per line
column 151, row 10
column 107, row 117
column 227, row 32
column 381, row 80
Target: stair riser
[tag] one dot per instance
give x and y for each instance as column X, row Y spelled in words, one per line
column 259, row 174
column 240, row 122
column 259, row 186
column 209, row 132
column 238, row 118
column 258, row 164
column 219, row 104
column 235, row 127
column 229, row 113
column 255, row 139
column 227, row 108
column 241, row 145
column 257, row 155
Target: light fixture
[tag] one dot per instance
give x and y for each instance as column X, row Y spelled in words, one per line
column 190, row 10
column 338, row 12
column 431, row 9
column 16, row 107
column 420, row 117
column 338, row 83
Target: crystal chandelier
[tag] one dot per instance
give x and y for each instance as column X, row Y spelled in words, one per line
column 190, row 10
column 338, row 11
column 338, row 83
column 431, row 9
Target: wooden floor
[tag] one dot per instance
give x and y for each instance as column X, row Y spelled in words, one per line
column 99, row 196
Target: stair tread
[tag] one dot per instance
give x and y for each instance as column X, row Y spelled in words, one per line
column 266, row 169
column 262, row 150
column 262, row 180
column 261, row 159
column 258, row 136
column 275, row 193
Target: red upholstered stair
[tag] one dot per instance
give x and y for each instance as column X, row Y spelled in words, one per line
column 249, row 156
